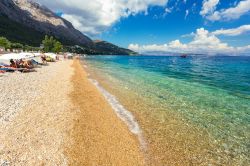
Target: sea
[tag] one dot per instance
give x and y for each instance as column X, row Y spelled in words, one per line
column 184, row 111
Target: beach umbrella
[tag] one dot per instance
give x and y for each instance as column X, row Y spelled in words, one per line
column 37, row 54
column 10, row 56
column 6, row 57
column 23, row 55
column 70, row 55
column 26, row 55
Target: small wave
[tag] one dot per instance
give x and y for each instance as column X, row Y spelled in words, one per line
column 122, row 113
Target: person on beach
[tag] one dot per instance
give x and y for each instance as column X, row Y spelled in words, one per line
column 43, row 58
column 17, row 67
column 6, row 68
column 29, row 64
column 13, row 64
column 2, row 69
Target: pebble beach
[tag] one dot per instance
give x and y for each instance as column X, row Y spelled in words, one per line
column 56, row 116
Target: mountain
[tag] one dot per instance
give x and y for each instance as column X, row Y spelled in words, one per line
column 103, row 47
column 34, row 16
column 27, row 22
column 100, row 48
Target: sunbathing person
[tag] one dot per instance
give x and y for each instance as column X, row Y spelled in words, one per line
column 13, row 64
column 25, row 64
column 5, row 68
column 21, row 66
column 1, row 70
column 43, row 58
column 10, row 68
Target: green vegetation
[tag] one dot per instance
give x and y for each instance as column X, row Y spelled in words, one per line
column 51, row 45
column 5, row 42
column 100, row 48
column 106, row 48
column 57, row 47
column 30, row 48
column 17, row 46
column 48, row 44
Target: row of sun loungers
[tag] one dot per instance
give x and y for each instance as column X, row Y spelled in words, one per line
column 25, row 62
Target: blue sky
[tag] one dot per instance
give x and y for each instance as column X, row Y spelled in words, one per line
column 158, row 27
column 214, row 26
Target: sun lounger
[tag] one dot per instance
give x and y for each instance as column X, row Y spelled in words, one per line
column 6, row 69
column 10, row 69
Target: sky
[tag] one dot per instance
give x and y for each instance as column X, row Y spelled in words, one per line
column 161, row 26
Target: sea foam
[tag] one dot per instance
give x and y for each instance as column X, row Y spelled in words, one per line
column 122, row 113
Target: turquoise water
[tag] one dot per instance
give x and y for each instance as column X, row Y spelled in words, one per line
column 211, row 92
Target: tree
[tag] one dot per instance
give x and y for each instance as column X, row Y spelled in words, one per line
column 5, row 42
column 57, row 47
column 28, row 48
column 16, row 46
column 48, row 44
column 51, row 45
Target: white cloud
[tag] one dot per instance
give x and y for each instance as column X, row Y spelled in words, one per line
column 203, row 42
column 95, row 16
column 242, row 8
column 234, row 31
column 167, row 10
column 226, row 32
column 245, row 49
column 208, row 7
column 192, row 34
column 186, row 14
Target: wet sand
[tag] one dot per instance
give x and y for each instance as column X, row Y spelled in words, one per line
column 99, row 137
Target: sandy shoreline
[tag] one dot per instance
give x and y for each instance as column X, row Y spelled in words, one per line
column 57, row 117
column 99, row 136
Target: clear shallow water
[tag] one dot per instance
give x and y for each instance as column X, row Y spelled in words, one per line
column 212, row 93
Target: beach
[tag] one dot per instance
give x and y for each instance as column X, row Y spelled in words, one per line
column 124, row 83
column 116, row 110
column 56, row 116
